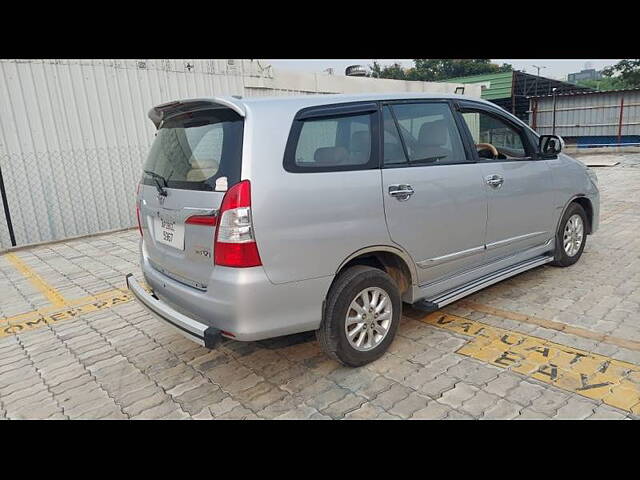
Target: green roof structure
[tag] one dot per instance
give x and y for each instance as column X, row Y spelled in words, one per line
column 498, row 85
column 511, row 90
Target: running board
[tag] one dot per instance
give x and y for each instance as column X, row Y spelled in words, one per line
column 431, row 305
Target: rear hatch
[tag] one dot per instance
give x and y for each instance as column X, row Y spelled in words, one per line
column 195, row 157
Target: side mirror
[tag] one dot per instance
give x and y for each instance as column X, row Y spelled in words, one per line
column 550, row 145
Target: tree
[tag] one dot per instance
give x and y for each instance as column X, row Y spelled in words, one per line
column 437, row 69
column 627, row 71
column 395, row 71
column 603, row 84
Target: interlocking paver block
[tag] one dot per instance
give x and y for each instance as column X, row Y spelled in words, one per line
column 524, row 393
column 259, row 402
column 390, row 397
column 340, row 408
column 502, row 410
column 372, row 389
column 458, row 394
column 604, row 412
column 576, row 409
column 327, row 397
column 369, row 411
column 408, row 406
column 549, row 402
column 436, row 387
column 196, row 399
column 433, row 411
column 502, row 384
column 479, row 403
column 298, row 413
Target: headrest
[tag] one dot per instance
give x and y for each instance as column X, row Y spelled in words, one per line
column 360, row 141
column 433, row 134
column 330, row 155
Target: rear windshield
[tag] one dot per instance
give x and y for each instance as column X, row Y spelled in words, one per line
column 197, row 151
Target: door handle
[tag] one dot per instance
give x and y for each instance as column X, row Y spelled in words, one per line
column 402, row 192
column 495, row 181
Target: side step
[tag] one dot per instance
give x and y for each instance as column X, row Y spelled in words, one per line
column 431, row 305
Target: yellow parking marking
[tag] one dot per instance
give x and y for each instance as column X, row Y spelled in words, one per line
column 49, row 292
column 33, row 320
column 552, row 325
column 611, row 381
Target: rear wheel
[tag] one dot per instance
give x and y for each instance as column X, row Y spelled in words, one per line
column 361, row 316
column 571, row 236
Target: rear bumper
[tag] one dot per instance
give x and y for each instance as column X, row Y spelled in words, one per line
column 242, row 302
column 190, row 328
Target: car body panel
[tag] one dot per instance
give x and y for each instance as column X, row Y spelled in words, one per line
column 513, row 225
column 442, row 225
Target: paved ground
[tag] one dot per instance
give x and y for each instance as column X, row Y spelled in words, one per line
column 550, row 343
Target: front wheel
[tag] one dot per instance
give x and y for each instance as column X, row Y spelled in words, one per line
column 571, row 236
column 361, row 316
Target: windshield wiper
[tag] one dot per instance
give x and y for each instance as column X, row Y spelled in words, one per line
column 156, row 177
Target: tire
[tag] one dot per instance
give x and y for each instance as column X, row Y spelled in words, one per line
column 348, row 288
column 562, row 257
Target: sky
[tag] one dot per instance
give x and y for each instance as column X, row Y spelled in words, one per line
column 553, row 68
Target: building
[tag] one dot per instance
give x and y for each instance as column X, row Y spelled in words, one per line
column 511, row 90
column 591, row 118
column 588, row 74
column 74, row 133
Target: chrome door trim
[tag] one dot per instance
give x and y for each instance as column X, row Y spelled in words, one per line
column 485, row 265
column 432, row 262
column 509, row 241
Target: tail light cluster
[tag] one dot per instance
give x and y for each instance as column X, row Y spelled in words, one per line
column 234, row 242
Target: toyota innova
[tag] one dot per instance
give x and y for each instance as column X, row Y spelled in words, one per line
column 262, row 217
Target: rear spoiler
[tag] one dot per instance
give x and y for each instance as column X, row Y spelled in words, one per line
column 166, row 110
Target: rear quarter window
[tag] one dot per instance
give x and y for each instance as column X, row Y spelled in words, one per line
column 333, row 143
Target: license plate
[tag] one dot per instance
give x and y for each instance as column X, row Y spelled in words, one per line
column 169, row 233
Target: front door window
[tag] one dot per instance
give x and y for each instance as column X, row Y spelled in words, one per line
column 495, row 138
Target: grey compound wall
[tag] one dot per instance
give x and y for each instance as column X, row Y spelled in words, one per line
column 74, row 133
column 588, row 114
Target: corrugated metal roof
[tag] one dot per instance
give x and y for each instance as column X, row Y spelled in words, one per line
column 588, row 92
column 498, row 85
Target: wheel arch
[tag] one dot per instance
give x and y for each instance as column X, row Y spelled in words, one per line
column 394, row 261
column 585, row 203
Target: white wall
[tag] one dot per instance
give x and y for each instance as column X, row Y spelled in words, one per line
column 74, row 133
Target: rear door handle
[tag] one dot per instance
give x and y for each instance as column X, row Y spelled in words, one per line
column 401, row 191
column 495, row 181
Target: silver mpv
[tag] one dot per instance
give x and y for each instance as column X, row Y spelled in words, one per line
column 263, row 217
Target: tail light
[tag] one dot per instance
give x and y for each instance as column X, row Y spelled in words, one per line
column 235, row 244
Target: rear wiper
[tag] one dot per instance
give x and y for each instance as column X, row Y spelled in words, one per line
column 156, row 177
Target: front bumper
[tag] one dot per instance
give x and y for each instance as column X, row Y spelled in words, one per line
column 198, row 332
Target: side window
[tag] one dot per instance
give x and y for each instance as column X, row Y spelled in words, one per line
column 488, row 129
column 334, row 142
column 392, row 148
column 430, row 133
